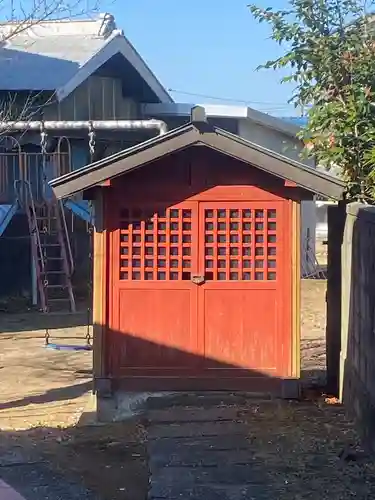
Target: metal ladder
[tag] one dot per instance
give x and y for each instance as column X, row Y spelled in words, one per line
column 51, row 250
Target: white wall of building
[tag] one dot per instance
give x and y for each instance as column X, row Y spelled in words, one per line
column 287, row 146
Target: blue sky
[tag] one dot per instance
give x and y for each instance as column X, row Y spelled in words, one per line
column 208, row 47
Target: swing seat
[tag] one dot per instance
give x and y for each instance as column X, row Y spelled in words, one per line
column 68, row 347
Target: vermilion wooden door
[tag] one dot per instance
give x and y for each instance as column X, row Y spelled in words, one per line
column 201, row 295
column 154, row 317
column 244, row 299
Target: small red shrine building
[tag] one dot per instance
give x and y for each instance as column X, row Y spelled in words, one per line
column 196, row 262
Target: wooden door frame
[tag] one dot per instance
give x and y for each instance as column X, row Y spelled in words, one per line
column 295, row 209
column 101, row 385
column 282, row 286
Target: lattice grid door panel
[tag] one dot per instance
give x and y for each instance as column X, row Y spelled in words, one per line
column 240, row 244
column 156, row 246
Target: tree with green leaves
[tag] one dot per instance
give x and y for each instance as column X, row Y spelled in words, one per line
column 330, row 52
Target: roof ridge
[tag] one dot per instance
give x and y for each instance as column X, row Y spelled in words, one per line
column 190, row 135
column 102, row 25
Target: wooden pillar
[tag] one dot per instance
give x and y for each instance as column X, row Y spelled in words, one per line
column 336, row 224
column 290, row 387
column 296, row 284
column 99, row 294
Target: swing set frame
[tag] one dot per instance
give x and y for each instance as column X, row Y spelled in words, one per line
column 90, row 230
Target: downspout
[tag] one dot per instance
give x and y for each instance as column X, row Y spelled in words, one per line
column 86, row 125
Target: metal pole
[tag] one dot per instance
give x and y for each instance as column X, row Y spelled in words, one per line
column 34, row 283
column 86, row 125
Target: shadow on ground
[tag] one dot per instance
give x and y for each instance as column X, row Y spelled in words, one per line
column 58, row 394
column 278, row 449
column 88, row 463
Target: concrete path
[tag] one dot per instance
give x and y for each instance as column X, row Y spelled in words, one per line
column 202, row 451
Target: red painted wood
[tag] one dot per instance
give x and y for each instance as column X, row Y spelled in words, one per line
column 174, row 223
column 209, row 176
column 242, row 302
column 154, row 312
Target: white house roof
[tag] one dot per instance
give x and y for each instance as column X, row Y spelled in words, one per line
column 223, row 111
column 44, row 63
column 59, row 55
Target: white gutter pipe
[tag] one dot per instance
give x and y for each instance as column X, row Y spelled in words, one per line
column 86, row 125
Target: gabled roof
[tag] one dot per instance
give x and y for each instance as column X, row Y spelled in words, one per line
column 59, row 55
column 116, row 44
column 198, row 133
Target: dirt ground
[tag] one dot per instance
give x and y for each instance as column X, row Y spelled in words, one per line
column 43, row 394
column 313, row 317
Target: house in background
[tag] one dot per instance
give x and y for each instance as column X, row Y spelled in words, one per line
column 74, row 92
column 321, row 230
